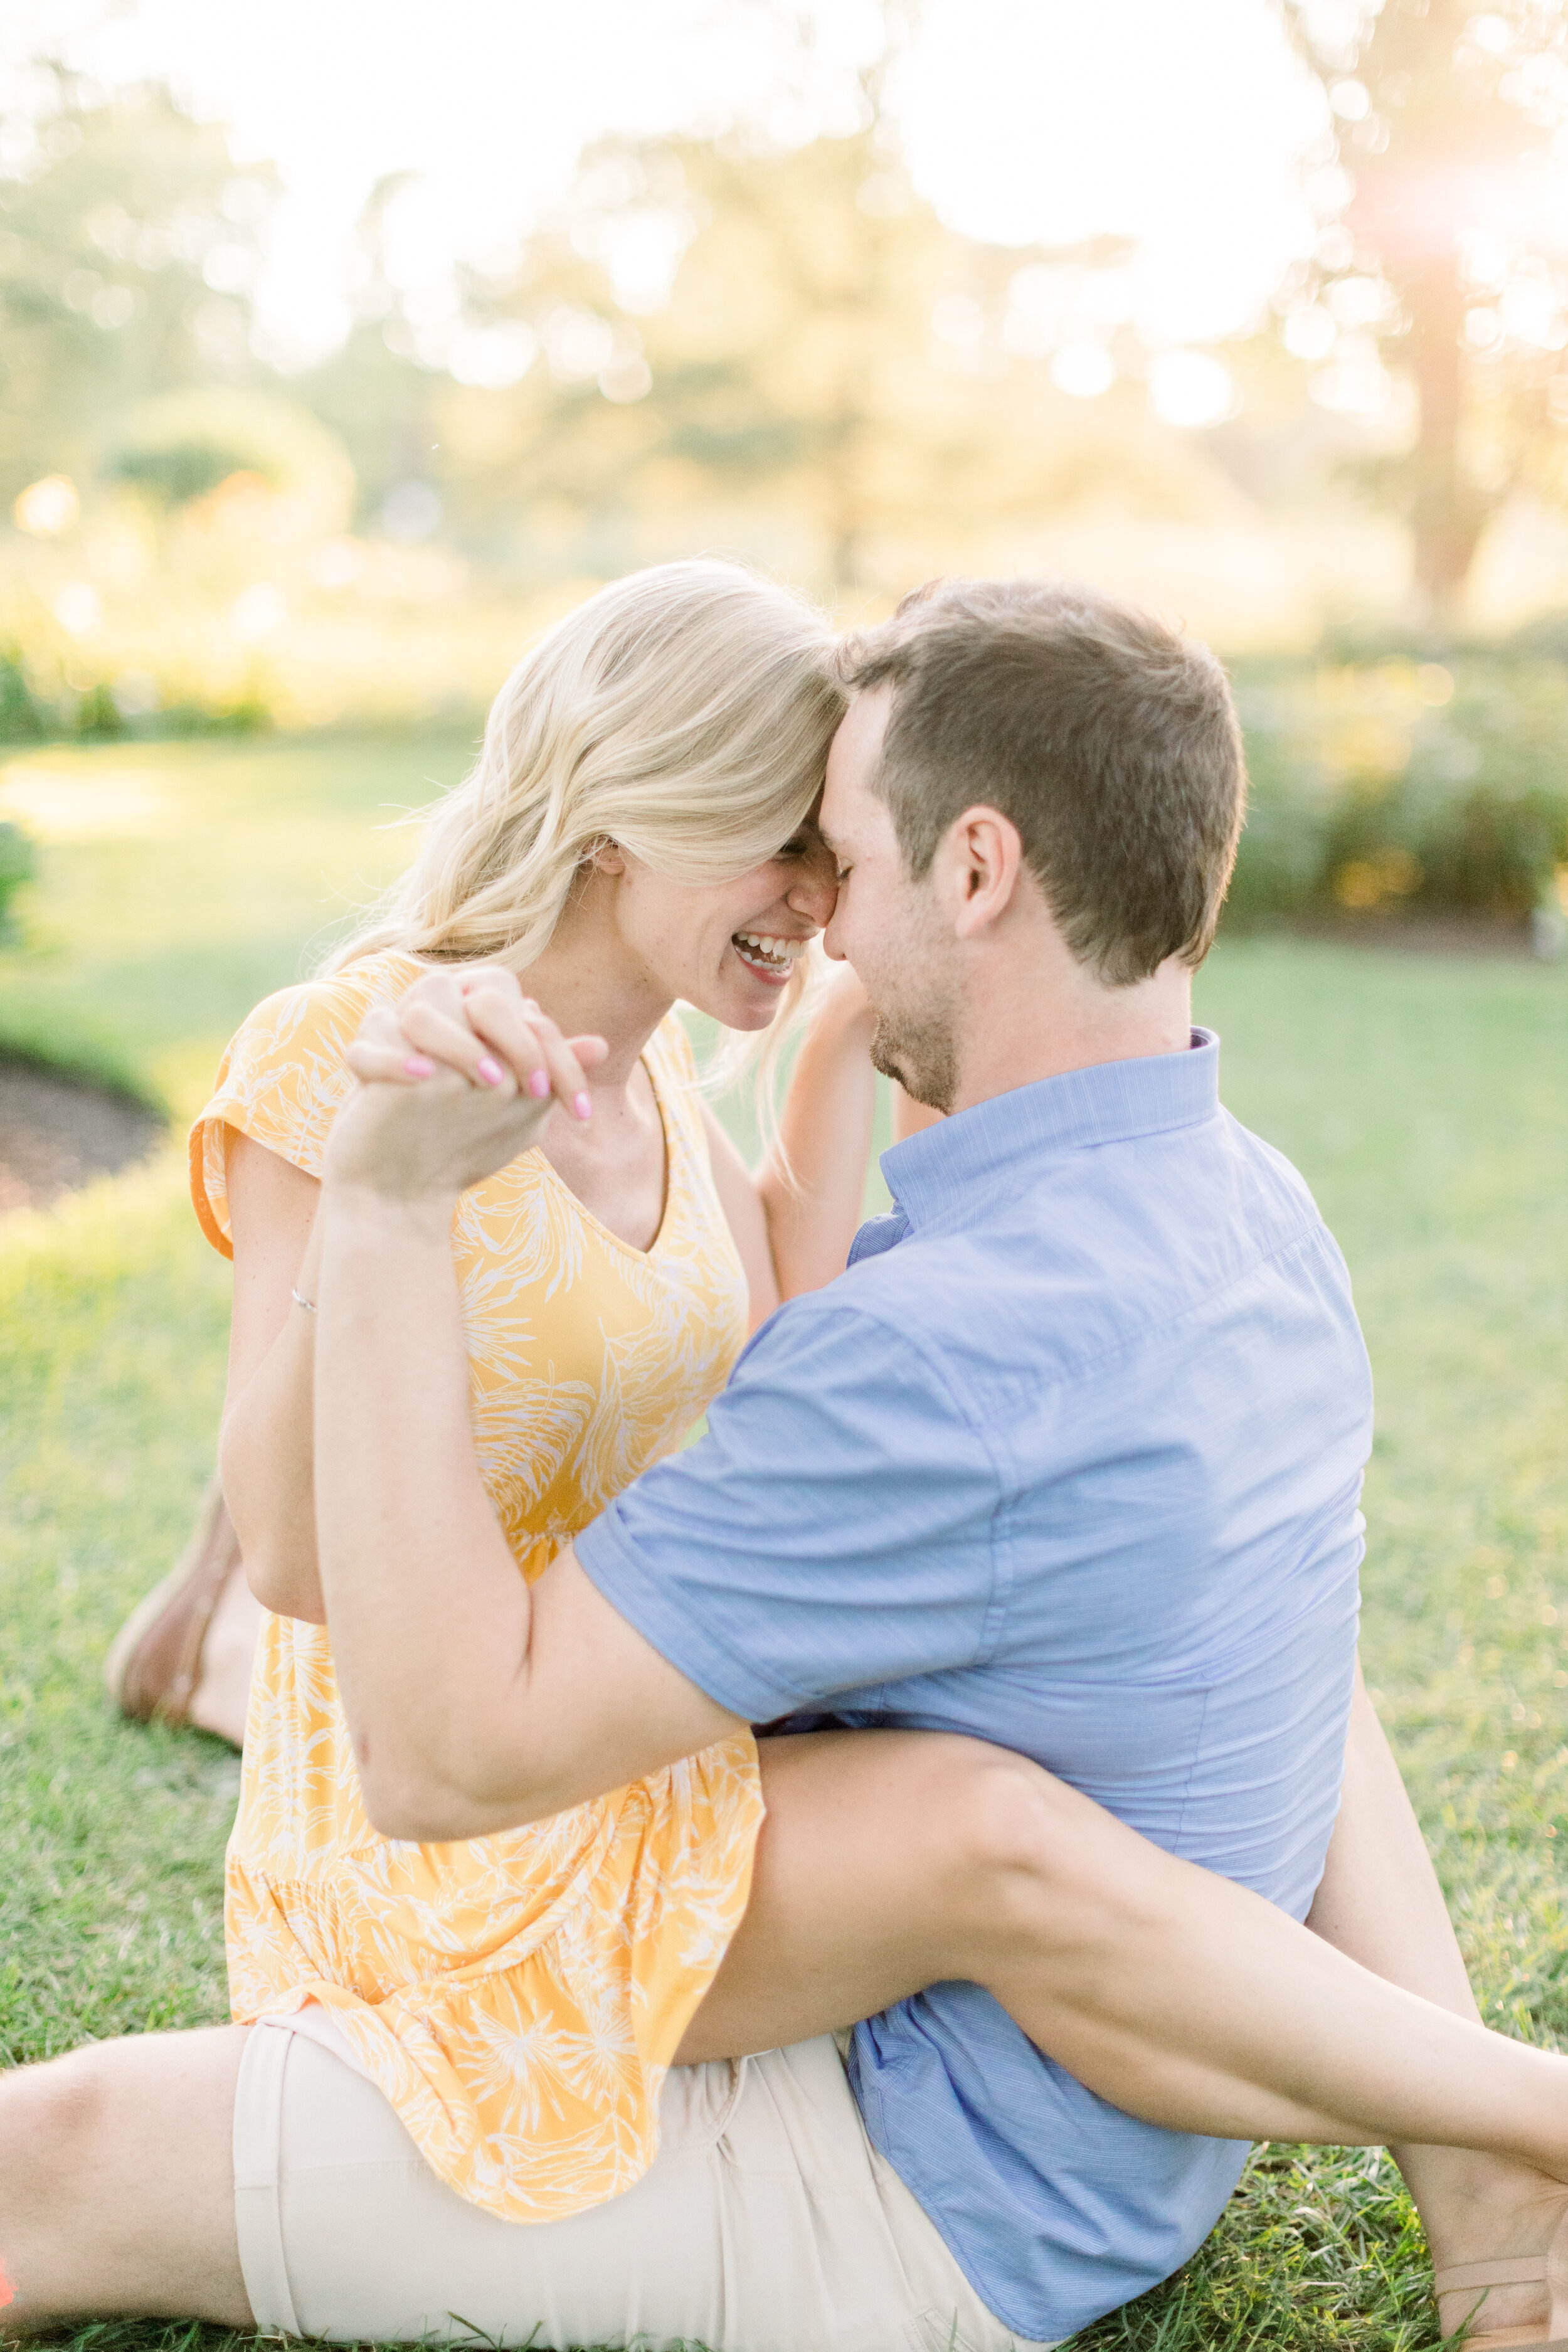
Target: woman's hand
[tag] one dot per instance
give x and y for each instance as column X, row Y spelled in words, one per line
column 842, row 1003
column 457, row 1078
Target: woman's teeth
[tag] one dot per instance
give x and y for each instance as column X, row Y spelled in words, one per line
column 764, row 953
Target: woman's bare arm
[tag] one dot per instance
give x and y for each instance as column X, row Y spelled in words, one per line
column 266, row 1450
column 909, row 1116
column 812, row 1212
column 747, row 1219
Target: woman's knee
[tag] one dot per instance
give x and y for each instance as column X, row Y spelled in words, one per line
column 1041, row 1864
column 54, row 2117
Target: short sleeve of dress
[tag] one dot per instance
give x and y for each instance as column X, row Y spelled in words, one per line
column 283, row 1080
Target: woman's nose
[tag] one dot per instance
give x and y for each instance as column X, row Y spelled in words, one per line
column 814, row 892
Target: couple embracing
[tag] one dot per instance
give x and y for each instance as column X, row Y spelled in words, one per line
column 845, row 1891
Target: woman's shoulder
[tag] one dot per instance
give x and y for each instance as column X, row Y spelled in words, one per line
column 285, row 1076
column 294, row 1023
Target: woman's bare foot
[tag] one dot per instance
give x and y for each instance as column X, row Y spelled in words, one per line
column 220, row 1698
column 184, row 1653
column 1489, row 2212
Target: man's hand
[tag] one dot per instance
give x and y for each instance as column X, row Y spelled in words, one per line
column 458, row 1078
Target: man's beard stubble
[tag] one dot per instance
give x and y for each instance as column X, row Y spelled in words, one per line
column 921, row 1055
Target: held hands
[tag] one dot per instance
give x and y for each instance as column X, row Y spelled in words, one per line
column 457, row 1078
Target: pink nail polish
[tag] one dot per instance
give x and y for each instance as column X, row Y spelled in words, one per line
column 582, row 1105
column 416, row 1067
column 537, row 1084
column 489, row 1069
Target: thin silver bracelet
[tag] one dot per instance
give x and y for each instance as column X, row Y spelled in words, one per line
column 307, row 1304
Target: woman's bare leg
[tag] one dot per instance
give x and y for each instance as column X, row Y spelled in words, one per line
column 1380, row 1903
column 117, row 2183
column 892, row 1859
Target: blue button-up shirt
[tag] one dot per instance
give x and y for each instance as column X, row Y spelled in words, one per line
column 1069, row 1459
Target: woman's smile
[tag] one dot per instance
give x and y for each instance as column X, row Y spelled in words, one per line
column 770, row 955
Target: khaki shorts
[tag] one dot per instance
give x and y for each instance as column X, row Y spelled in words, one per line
column 767, row 2223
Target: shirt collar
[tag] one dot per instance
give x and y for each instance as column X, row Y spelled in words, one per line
column 942, row 1167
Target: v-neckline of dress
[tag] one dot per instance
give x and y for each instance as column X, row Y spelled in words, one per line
column 580, row 1205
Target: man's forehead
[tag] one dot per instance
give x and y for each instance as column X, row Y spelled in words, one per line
column 864, row 720
column 853, row 757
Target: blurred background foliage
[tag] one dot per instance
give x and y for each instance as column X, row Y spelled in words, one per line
column 774, row 346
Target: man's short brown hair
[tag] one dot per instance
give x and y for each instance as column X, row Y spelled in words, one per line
column 1109, row 739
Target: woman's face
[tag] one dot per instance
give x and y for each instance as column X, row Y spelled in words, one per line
column 727, row 947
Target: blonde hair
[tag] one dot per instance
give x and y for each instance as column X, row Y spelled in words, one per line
column 683, row 713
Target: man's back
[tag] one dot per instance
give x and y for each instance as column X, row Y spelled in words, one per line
column 1069, row 1460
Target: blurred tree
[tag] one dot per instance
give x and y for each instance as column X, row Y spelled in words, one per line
column 128, row 247
column 715, row 325
column 381, row 389
column 1449, row 260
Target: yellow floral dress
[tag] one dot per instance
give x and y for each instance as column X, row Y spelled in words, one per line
column 517, row 1998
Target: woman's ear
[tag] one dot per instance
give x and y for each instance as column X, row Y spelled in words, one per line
column 605, row 857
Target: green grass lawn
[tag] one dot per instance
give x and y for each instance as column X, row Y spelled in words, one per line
column 1426, row 1101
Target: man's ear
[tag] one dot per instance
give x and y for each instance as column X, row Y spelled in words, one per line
column 978, row 864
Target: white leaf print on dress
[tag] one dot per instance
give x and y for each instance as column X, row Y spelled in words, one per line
column 518, row 1998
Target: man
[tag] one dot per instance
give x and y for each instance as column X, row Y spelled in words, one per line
column 1069, row 1460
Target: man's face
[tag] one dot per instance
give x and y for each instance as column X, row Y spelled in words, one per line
column 889, row 927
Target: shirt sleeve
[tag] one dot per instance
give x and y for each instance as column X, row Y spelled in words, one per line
column 835, row 1529
column 282, row 1081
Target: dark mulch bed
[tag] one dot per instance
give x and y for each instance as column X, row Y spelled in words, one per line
column 57, row 1130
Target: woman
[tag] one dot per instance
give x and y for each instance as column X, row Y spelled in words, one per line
column 518, row 1999
column 678, row 720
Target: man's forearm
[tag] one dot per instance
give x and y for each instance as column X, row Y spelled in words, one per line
column 428, row 1613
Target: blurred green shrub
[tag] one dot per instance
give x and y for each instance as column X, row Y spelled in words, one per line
column 99, row 717
column 21, row 721
column 18, row 863
column 1401, row 784
column 185, row 444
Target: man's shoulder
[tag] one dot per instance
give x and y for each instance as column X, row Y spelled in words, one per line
column 1086, row 1254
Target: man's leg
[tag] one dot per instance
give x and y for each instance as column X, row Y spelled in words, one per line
column 116, row 2182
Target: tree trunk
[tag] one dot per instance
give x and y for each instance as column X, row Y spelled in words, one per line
column 1447, row 513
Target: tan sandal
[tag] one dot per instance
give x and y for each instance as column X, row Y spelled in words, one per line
column 1550, row 2269
column 155, row 1659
